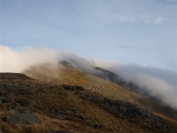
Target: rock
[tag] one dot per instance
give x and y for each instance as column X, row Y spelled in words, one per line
column 93, row 125
column 123, row 109
column 10, row 89
column 97, row 125
column 65, row 63
column 83, row 117
column 108, row 101
column 69, row 87
column 61, row 117
column 61, row 131
column 24, row 91
column 74, row 110
column 29, row 130
column 18, row 107
column 6, row 99
column 23, row 118
column 23, row 102
column 2, row 93
column 4, row 76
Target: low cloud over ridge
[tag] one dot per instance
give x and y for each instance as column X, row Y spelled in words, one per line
column 157, row 82
column 17, row 61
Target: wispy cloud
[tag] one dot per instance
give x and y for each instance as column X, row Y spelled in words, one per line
column 167, row 2
column 16, row 61
column 157, row 82
column 158, row 20
column 135, row 28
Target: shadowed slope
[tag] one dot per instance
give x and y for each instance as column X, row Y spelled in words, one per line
column 108, row 90
column 73, row 108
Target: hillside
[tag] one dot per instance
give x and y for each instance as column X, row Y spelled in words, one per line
column 100, row 81
column 59, row 98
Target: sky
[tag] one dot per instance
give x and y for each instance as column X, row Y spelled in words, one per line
column 136, row 39
column 142, row 32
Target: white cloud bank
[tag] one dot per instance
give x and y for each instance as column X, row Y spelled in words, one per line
column 159, row 83
column 17, row 61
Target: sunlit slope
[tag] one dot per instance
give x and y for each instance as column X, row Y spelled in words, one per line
column 49, row 103
column 63, row 74
column 73, row 108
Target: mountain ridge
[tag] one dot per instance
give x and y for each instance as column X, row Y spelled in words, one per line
column 67, row 96
column 112, row 77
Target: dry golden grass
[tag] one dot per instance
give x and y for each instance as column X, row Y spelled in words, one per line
column 49, row 94
column 70, row 76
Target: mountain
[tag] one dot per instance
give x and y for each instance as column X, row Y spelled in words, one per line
column 63, row 99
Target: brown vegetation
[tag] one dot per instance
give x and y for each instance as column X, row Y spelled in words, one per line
column 74, row 101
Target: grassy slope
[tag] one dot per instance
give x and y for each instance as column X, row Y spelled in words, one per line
column 64, row 74
column 49, row 99
column 44, row 99
column 70, row 76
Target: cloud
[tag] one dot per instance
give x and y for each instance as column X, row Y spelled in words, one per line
column 167, row 2
column 158, row 88
column 157, row 82
column 158, row 20
column 79, row 62
column 127, row 18
column 16, row 61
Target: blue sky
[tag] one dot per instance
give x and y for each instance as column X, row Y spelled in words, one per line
column 142, row 32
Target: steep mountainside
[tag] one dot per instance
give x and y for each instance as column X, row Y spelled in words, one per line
column 108, row 84
column 59, row 98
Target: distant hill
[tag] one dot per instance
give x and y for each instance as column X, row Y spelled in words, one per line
column 60, row 98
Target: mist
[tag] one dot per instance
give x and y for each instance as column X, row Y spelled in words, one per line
column 19, row 60
column 157, row 82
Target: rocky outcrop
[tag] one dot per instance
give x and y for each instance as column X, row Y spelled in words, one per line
column 25, row 97
column 69, row 87
column 10, row 89
column 60, row 117
column 14, row 77
column 23, row 118
column 128, row 111
column 6, row 99
column 5, row 88
column 62, row 131
column 110, row 76
column 23, row 102
column 9, row 100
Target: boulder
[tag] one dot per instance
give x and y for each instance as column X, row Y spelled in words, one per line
column 23, row 102
column 69, row 87
column 23, row 118
column 10, row 89
column 61, row 131
column 123, row 109
column 24, row 91
column 6, row 99
column 60, row 117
